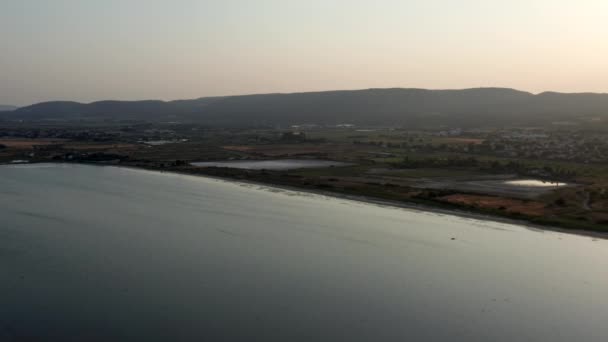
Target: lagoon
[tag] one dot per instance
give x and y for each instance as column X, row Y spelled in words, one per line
column 535, row 183
column 105, row 253
column 277, row 164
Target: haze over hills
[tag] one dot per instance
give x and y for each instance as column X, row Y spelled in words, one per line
column 412, row 107
column 6, row 108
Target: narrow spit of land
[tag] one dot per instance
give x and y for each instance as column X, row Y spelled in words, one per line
column 388, row 194
column 377, row 200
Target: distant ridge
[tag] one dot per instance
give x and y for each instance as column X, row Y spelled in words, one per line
column 6, row 108
column 395, row 106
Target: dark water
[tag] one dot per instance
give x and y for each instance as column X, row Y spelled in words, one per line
column 278, row 164
column 109, row 254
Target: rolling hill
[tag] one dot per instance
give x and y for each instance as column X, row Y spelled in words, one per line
column 410, row 107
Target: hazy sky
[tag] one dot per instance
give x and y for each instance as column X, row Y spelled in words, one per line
column 88, row 50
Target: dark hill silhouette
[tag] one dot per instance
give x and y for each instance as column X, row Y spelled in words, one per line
column 412, row 107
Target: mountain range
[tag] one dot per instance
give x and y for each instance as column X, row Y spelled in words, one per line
column 396, row 106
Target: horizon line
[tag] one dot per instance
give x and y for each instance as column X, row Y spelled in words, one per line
column 313, row 92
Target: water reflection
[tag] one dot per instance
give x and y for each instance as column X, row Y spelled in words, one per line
column 535, row 183
column 278, row 164
column 110, row 254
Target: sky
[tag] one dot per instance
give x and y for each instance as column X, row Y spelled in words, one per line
column 88, row 50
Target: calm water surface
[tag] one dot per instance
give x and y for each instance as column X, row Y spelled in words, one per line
column 278, row 164
column 110, row 254
column 535, row 183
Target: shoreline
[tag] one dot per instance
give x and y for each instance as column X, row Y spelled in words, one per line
column 364, row 199
column 410, row 206
column 390, row 203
